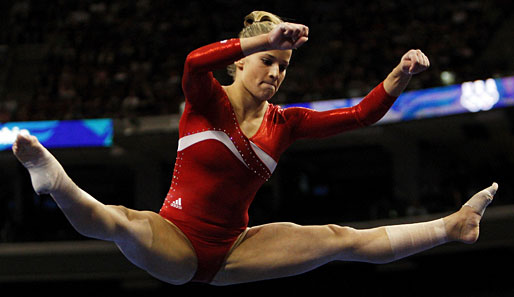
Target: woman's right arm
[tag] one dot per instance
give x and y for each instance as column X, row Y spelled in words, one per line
column 285, row 36
column 198, row 80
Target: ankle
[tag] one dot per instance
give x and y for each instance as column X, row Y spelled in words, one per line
column 47, row 175
column 463, row 225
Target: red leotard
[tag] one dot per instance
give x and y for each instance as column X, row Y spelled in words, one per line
column 218, row 169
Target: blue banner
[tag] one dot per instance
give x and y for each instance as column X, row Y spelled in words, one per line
column 61, row 134
column 479, row 95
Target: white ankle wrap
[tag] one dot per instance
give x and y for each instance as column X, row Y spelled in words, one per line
column 409, row 239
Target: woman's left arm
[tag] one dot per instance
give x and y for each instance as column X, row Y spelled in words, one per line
column 309, row 123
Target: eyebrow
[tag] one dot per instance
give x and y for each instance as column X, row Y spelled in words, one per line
column 286, row 63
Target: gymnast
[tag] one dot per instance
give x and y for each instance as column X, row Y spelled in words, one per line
column 230, row 139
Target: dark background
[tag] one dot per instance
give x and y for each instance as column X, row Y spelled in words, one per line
column 123, row 59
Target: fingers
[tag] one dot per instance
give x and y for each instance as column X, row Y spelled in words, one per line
column 294, row 31
column 300, row 42
column 289, row 36
column 414, row 61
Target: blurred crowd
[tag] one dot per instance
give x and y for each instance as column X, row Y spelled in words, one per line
column 124, row 58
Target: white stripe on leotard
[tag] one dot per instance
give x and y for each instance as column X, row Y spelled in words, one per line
column 220, row 136
column 265, row 158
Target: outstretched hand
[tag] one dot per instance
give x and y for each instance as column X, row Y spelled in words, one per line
column 413, row 62
column 288, row 36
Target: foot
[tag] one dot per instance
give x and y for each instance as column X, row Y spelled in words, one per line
column 45, row 171
column 463, row 225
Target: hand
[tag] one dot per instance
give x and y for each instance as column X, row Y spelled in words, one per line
column 413, row 62
column 287, row 36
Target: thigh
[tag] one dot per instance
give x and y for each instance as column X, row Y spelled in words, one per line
column 283, row 249
column 156, row 245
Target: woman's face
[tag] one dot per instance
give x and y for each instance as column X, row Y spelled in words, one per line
column 262, row 73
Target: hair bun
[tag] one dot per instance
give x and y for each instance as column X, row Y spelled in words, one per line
column 261, row 16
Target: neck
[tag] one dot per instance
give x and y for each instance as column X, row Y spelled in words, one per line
column 244, row 104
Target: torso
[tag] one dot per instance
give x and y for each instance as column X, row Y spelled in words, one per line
column 218, row 168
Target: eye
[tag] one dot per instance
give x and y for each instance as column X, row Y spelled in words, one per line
column 267, row 62
column 283, row 68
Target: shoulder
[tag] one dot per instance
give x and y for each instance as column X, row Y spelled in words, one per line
column 287, row 115
column 288, row 110
column 296, row 111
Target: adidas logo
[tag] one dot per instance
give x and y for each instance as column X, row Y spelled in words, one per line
column 177, row 203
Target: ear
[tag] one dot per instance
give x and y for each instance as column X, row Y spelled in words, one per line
column 240, row 64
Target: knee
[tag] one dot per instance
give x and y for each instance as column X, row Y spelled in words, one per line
column 354, row 245
column 362, row 245
column 341, row 231
column 344, row 237
column 127, row 225
column 120, row 210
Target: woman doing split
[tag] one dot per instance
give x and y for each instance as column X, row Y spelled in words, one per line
column 230, row 140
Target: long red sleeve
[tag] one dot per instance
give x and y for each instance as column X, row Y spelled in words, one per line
column 315, row 124
column 198, row 78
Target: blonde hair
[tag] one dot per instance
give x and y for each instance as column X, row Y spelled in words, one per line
column 256, row 23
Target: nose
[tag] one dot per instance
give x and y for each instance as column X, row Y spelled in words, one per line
column 274, row 71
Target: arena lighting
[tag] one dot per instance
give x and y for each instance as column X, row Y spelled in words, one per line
column 474, row 96
column 60, row 134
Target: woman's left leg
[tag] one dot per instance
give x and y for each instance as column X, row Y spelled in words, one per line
column 285, row 249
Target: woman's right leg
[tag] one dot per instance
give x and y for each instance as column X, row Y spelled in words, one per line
column 145, row 238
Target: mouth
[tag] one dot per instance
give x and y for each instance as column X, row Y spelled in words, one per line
column 270, row 84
